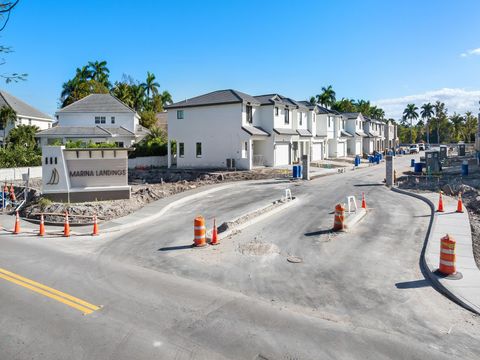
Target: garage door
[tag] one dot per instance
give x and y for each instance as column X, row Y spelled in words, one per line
column 358, row 147
column 316, row 152
column 282, row 152
column 341, row 149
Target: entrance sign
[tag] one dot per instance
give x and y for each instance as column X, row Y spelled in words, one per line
column 78, row 175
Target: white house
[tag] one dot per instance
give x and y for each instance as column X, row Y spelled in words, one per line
column 228, row 128
column 391, row 136
column 97, row 118
column 354, row 127
column 26, row 114
column 375, row 139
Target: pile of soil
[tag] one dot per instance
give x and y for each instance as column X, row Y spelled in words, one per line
column 147, row 186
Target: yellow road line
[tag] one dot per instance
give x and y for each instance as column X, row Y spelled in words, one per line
column 69, row 300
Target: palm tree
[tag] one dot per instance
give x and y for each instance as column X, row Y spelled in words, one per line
column 99, row 71
column 410, row 113
column 458, row 122
column 7, row 116
column 327, row 97
column 440, row 110
column 313, row 100
column 166, row 98
column 83, row 73
column 138, row 97
column 427, row 113
column 150, row 85
column 122, row 92
column 470, row 127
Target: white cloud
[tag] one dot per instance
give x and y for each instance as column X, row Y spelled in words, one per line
column 456, row 100
column 471, row 52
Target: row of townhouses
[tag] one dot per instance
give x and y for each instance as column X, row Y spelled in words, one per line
column 228, row 128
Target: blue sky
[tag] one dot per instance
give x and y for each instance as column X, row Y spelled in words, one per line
column 385, row 51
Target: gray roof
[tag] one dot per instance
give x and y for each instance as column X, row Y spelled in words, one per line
column 353, row 115
column 97, row 103
column 360, row 133
column 85, row 131
column 218, row 97
column 281, row 131
column 274, row 99
column 345, row 133
column 304, row 133
column 255, row 130
column 20, row 107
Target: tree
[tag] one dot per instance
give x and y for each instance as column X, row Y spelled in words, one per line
column 150, row 86
column 99, row 72
column 7, row 116
column 410, row 113
column 440, row 116
column 345, row 105
column 427, row 113
column 313, row 100
column 470, row 127
column 122, row 92
column 148, row 119
column 23, row 135
column 458, row 123
column 327, row 97
column 166, row 98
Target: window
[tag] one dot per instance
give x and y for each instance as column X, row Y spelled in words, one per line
column 29, row 121
column 300, row 118
column 249, row 114
column 55, row 160
column 100, row 120
column 181, row 150
column 198, row 148
column 276, row 110
column 179, row 114
column 112, row 119
column 287, row 116
column 329, row 121
column 46, row 160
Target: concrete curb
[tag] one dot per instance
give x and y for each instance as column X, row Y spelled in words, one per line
column 355, row 218
column 255, row 220
column 426, row 268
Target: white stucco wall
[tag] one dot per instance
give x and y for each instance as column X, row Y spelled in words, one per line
column 127, row 120
column 217, row 128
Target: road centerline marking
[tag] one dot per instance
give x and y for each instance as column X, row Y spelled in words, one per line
column 62, row 297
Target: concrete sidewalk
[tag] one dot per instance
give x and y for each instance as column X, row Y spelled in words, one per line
column 465, row 290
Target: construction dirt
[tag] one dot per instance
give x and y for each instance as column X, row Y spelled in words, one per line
column 452, row 183
column 147, row 186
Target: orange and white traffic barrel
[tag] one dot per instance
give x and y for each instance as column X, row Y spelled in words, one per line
column 199, row 232
column 339, row 219
column 447, row 255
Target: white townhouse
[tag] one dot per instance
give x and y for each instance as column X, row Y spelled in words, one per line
column 375, row 136
column 26, row 114
column 337, row 144
column 354, row 127
column 317, row 125
column 97, row 118
column 391, row 136
column 228, row 128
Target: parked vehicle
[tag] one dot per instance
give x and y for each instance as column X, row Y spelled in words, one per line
column 421, row 147
column 414, row 149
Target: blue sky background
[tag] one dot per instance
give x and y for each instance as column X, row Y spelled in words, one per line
column 379, row 50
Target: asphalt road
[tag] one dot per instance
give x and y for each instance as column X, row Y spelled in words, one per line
column 359, row 294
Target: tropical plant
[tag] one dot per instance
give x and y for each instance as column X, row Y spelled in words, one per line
column 327, row 97
column 427, row 113
column 148, row 119
column 150, row 86
column 470, row 127
column 99, row 72
column 440, row 117
column 23, row 135
column 458, row 122
column 7, row 116
column 410, row 113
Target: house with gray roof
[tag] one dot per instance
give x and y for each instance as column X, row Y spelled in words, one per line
column 354, row 124
column 374, row 139
column 26, row 114
column 231, row 129
column 97, row 118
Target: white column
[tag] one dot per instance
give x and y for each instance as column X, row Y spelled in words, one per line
column 169, row 155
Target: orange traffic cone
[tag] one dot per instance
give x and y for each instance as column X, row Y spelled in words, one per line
column 41, row 232
column 440, row 203
column 66, row 226
column 460, row 203
column 95, row 226
column 364, row 203
column 16, row 230
column 214, row 240
column 12, row 193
